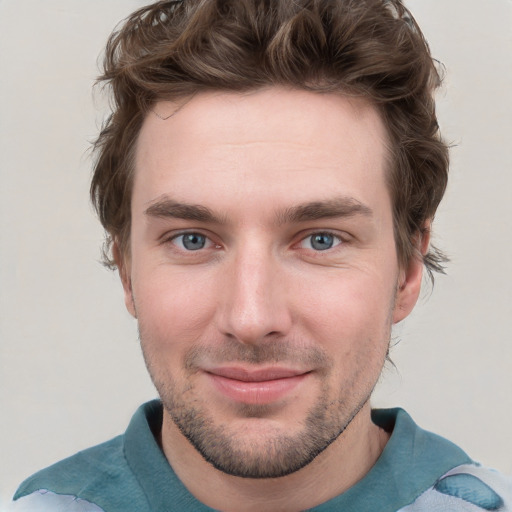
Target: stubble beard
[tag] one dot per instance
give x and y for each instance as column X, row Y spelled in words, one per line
column 237, row 453
column 281, row 454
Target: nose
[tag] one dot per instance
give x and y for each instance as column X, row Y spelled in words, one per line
column 254, row 300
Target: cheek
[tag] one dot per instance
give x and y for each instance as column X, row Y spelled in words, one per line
column 173, row 309
column 352, row 315
column 355, row 330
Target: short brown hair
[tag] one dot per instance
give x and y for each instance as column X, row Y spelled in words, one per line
column 369, row 48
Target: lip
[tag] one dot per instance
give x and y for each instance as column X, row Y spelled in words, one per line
column 256, row 387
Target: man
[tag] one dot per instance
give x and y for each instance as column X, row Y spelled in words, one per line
column 267, row 181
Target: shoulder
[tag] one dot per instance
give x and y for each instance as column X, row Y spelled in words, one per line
column 86, row 469
column 431, row 474
column 86, row 482
column 468, row 488
column 116, row 476
column 46, row 501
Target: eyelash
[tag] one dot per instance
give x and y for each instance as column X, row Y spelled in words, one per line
column 210, row 243
column 174, row 237
column 335, row 236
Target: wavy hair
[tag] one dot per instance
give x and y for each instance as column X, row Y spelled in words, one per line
column 368, row 48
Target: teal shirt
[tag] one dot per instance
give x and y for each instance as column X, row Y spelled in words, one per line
column 130, row 472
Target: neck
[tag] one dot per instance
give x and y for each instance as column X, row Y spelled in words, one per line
column 346, row 461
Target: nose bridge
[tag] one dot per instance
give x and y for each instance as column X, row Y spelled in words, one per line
column 254, row 304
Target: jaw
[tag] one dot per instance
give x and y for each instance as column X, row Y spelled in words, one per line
column 340, row 466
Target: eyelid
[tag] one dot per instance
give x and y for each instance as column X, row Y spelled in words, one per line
column 342, row 237
column 171, row 237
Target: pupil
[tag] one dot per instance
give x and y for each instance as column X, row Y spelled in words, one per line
column 322, row 241
column 193, row 242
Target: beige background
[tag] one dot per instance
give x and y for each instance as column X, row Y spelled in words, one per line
column 71, row 370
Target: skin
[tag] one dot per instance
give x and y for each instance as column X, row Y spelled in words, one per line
column 255, row 177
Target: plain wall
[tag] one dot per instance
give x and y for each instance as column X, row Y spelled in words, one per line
column 71, row 369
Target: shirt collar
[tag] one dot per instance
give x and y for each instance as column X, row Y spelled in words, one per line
column 411, row 462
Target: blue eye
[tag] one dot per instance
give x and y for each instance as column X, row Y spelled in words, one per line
column 320, row 241
column 192, row 241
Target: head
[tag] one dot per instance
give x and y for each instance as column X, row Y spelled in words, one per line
column 372, row 49
column 267, row 182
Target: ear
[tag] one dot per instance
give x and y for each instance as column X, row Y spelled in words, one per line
column 409, row 283
column 124, row 267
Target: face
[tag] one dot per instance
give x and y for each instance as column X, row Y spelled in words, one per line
column 263, row 271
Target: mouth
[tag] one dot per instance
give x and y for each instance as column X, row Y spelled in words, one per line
column 256, row 386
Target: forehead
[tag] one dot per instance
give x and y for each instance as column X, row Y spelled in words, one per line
column 281, row 144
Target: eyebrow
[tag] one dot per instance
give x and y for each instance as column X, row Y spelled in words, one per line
column 168, row 208
column 329, row 209
column 314, row 210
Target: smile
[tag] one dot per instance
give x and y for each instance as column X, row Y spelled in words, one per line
column 256, row 387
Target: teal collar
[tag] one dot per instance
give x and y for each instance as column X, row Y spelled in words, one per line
column 411, row 462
